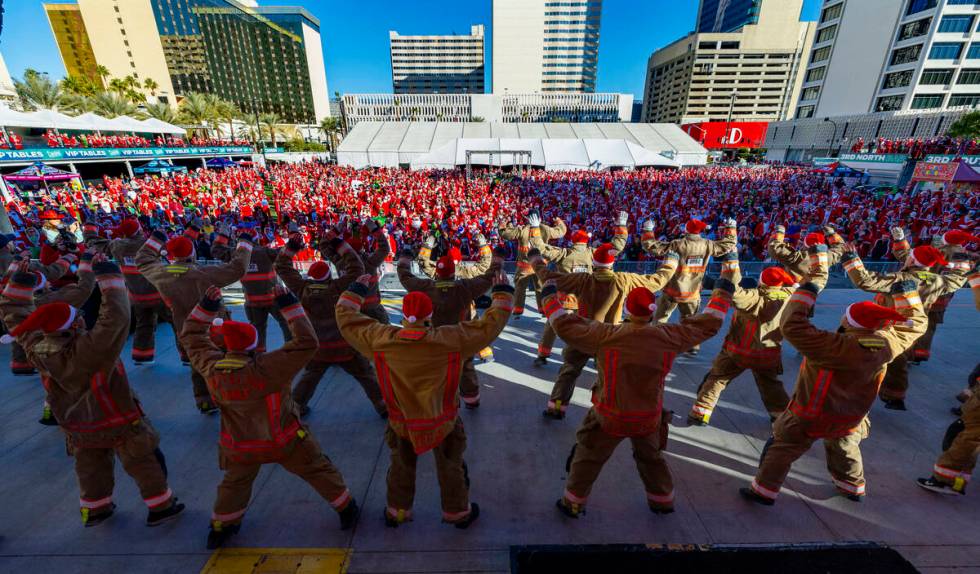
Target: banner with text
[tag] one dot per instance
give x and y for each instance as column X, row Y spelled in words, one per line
column 115, row 154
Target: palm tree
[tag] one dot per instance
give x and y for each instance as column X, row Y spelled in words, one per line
column 226, row 111
column 77, row 103
column 78, row 85
column 162, row 112
column 37, row 92
column 103, row 74
column 118, row 86
column 195, row 109
column 112, row 105
column 151, row 86
column 330, row 126
column 270, row 124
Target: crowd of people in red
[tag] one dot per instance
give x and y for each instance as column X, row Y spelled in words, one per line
column 56, row 140
column 309, row 197
column 918, row 148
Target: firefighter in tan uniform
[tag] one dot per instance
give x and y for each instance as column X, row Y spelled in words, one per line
column 259, row 420
column 522, row 235
column 89, row 393
column 837, row 385
column 574, row 259
column 952, row 471
column 753, row 342
column 931, row 286
column 452, row 300
column 319, row 294
column 950, row 244
column 373, row 266
column 182, row 282
column 419, row 369
column 148, row 307
column 633, row 360
column 797, row 261
column 684, row 288
column 599, row 295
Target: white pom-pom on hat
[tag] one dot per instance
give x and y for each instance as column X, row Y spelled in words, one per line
column 7, row 339
column 218, row 321
column 163, row 252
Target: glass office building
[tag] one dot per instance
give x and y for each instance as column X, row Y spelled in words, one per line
column 727, row 15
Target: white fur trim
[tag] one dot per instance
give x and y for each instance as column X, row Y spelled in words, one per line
column 218, row 321
column 851, row 321
column 6, row 339
column 72, row 313
column 411, row 318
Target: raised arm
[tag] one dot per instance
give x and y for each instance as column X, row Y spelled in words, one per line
column 482, row 265
column 111, row 330
column 728, row 240
column 221, row 248
column 698, row 328
column 358, row 329
column 815, row 344
column 649, row 241
column 553, row 232
column 584, row 334
column 549, row 252
column 975, row 286
column 286, row 361
column 381, row 250
column 76, row 294
column 900, row 245
column 471, row 336
column 424, row 259
column 196, row 340
column 290, row 276
column 148, row 257
column 479, row 285
column 653, row 282
column 408, row 280
column 748, row 300
column 349, row 264
column 872, row 282
column 566, row 282
column 508, row 232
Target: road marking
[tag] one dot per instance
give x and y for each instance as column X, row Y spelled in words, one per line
column 278, row 561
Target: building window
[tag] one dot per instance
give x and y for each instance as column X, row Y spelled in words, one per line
column 926, row 102
column 897, row 80
column 974, row 52
column 889, row 103
column 969, row 76
column 956, row 24
column 906, row 55
column 826, row 35
column 972, row 100
column 730, row 45
column 820, row 55
column 816, row 74
column 916, row 6
column 832, row 13
column 810, row 93
column 963, row 2
column 707, row 45
column 805, row 112
column 914, row 29
column 946, row 51
column 935, row 77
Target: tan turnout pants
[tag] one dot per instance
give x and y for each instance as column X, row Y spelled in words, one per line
column 594, row 446
column 144, row 336
column 573, row 361
column 306, row 460
column 450, row 469
column 259, row 318
column 726, row 368
column 955, row 465
column 665, row 308
column 357, row 367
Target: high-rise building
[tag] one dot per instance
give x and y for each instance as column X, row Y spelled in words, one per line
column 751, row 74
column 72, row 38
column 264, row 59
column 437, row 64
column 727, row 15
column 891, row 55
column 7, row 92
column 545, row 45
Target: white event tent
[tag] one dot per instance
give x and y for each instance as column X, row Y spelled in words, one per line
column 50, row 119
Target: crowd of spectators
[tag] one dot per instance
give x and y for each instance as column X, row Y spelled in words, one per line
column 308, row 197
column 918, row 148
column 59, row 140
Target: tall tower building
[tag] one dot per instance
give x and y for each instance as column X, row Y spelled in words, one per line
column 72, row 38
column 893, row 55
column 727, row 15
column 264, row 59
column 753, row 73
column 437, row 64
column 545, row 45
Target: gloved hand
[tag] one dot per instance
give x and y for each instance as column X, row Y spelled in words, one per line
column 295, row 244
column 533, row 219
column 725, row 285
column 430, row 241
column 88, row 256
column 730, row 256
column 898, row 234
column 106, row 268
column 548, row 290
column 159, row 236
column 284, row 297
column 621, row 218
column 360, row 286
column 748, row 283
column 212, row 299
column 501, row 282
column 246, row 237
column 481, row 241
column 812, row 287
column 829, row 231
column 780, row 229
column 730, row 222
column 648, row 226
column 533, row 252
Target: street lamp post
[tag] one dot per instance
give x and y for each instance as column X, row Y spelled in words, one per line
column 833, row 138
column 728, row 123
column 258, row 130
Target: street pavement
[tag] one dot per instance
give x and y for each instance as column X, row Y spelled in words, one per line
column 517, row 465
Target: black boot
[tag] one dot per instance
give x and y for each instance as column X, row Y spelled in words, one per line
column 474, row 514
column 207, row 407
column 348, row 516
column 540, row 361
column 556, row 414
column 47, row 418
column 158, row 517
column 894, row 404
column 694, row 421
column 749, row 494
column 567, row 510
column 90, row 520
column 218, row 536
column 939, row 487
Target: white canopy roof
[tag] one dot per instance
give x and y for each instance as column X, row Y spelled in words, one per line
column 551, row 154
column 551, row 144
column 98, row 122
column 53, row 119
column 153, row 125
column 87, row 122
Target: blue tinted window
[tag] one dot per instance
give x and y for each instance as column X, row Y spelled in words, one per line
column 945, row 51
column 956, row 24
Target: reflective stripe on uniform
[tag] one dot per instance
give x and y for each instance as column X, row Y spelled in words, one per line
column 93, row 504
column 229, row 516
column 763, row 491
column 158, row 500
column 850, row 488
column 573, row 498
column 341, row 500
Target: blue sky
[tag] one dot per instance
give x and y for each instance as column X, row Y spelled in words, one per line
column 355, row 36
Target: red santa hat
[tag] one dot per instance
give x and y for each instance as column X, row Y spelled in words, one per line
column 180, row 247
column 927, row 256
column 416, row 307
column 958, row 237
column 49, row 215
column 868, row 315
column 815, row 238
column 640, row 302
column 455, row 254
column 128, row 227
column 581, row 236
column 777, row 277
column 446, row 267
column 695, row 226
column 319, row 271
column 49, row 318
column 237, row 336
column 604, row 256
